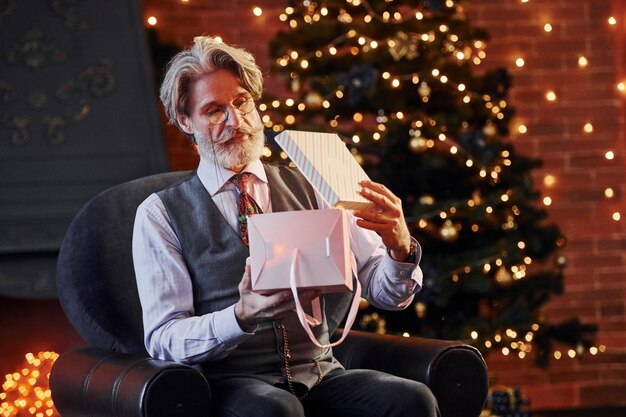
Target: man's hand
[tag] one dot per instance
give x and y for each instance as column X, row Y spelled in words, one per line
column 387, row 219
column 253, row 308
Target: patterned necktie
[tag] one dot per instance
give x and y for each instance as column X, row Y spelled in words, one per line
column 247, row 205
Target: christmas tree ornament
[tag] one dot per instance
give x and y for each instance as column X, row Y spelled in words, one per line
column 490, row 130
column 418, row 144
column 313, row 100
column 294, row 86
column 427, row 200
column 420, row 309
column 424, row 89
column 404, row 45
column 503, row 277
column 448, row 232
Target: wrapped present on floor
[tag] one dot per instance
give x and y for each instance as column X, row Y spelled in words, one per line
column 506, row 402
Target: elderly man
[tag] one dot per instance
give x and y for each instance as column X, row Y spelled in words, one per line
column 190, row 250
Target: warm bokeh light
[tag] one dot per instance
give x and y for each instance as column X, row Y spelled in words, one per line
column 549, row 180
column 257, row 11
column 152, row 21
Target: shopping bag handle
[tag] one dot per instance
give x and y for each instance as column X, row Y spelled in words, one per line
column 305, row 318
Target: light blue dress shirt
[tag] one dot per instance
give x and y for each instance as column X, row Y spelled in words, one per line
column 173, row 332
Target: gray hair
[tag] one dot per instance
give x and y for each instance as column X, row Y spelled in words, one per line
column 205, row 55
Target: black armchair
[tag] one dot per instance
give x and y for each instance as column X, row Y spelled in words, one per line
column 115, row 377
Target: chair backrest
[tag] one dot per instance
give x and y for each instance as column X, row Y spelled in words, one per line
column 95, row 275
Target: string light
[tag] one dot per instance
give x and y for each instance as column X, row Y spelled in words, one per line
column 432, row 134
column 257, row 11
column 549, row 180
column 152, row 21
column 27, row 390
column 612, row 21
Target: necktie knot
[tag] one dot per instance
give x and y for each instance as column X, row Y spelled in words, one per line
column 247, row 205
column 241, row 181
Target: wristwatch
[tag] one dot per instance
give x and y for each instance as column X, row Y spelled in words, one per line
column 411, row 258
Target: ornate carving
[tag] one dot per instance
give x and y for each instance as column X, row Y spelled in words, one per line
column 96, row 80
column 65, row 10
column 6, row 8
column 35, row 51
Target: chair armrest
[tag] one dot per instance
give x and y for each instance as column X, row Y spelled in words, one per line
column 95, row 382
column 455, row 372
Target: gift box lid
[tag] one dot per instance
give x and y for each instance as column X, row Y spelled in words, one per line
column 328, row 165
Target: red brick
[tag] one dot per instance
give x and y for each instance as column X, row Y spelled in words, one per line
column 604, row 394
column 553, row 396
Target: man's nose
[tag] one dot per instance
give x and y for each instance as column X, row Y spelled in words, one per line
column 235, row 118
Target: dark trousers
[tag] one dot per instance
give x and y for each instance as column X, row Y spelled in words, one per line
column 349, row 393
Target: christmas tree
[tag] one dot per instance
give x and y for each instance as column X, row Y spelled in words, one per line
column 401, row 82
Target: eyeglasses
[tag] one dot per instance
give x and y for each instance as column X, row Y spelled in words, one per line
column 220, row 115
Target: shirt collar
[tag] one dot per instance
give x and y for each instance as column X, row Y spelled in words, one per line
column 213, row 176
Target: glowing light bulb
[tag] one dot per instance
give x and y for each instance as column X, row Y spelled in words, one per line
column 612, row 21
column 617, row 216
column 551, row 96
column 547, row 201
column 621, row 86
column 152, row 21
column 609, row 155
column 582, row 61
column 522, row 129
column 547, row 28
column 609, row 193
column 588, row 127
column 257, row 11
column 549, row 180
column 520, row 62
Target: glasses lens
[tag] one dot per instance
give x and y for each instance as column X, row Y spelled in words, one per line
column 218, row 117
column 246, row 107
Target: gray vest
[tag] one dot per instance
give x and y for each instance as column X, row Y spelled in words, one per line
column 215, row 257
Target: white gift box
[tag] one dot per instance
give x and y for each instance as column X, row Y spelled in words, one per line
column 328, row 165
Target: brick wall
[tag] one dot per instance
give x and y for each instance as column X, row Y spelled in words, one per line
column 595, row 284
column 595, row 289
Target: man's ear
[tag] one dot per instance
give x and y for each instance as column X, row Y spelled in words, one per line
column 185, row 124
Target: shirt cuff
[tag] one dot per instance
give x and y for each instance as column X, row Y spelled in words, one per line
column 227, row 328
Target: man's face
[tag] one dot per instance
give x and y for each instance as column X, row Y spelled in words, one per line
column 239, row 139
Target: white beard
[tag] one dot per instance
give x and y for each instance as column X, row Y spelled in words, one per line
column 228, row 154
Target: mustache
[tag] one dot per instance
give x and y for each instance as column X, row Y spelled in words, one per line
column 229, row 133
